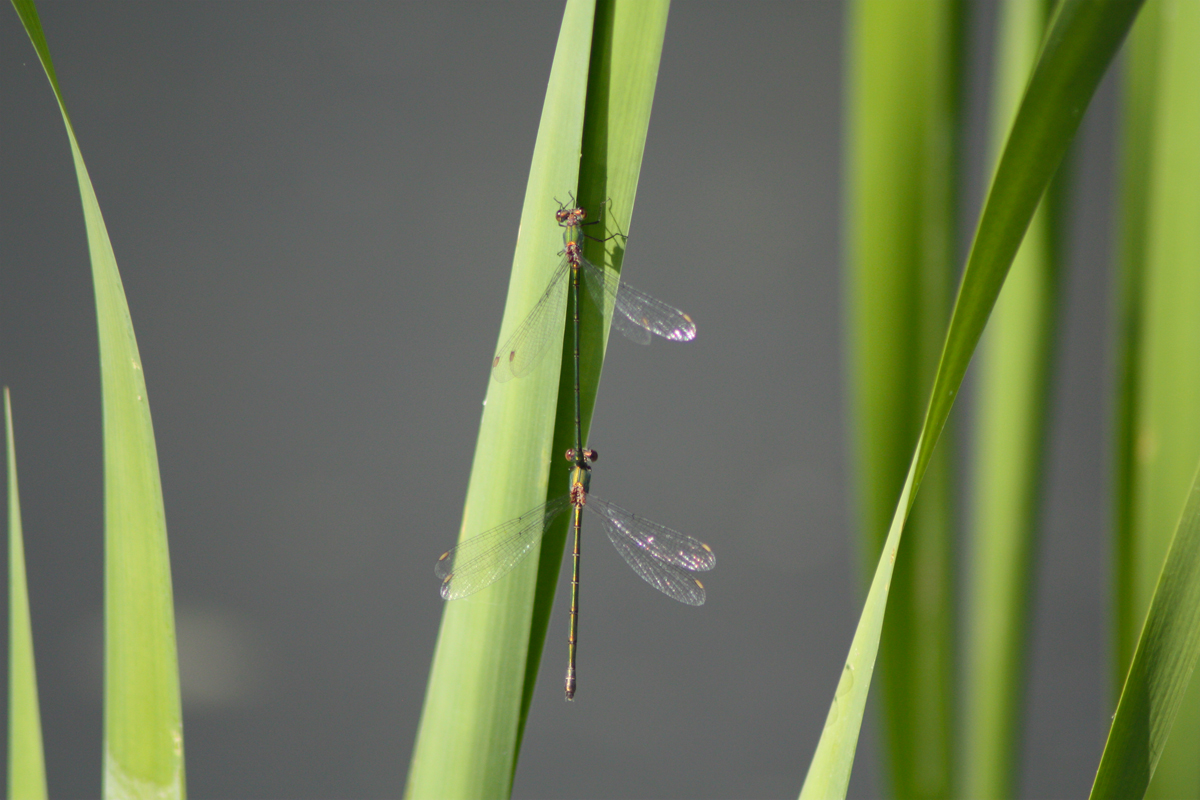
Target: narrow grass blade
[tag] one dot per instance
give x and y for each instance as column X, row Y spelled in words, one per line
column 26, row 764
column 1167, row 429
column 627, row 40
column 143, row 731
column 1011, row 425
column 1139, row 82
column 1081, row 43
column 468, row 737
column 900, row 243
column 1162, row 666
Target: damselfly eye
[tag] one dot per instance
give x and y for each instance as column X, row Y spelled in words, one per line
column 591, row 455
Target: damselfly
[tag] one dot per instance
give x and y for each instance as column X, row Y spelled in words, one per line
column 664, row 558
column 635, row 314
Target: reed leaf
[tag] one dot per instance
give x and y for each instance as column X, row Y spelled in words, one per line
column 1166, row 426
column 1015, row 369
column 901, row 175
column 1162, row 667
column 591, row 135
column 1139, row 78
column 627, row 41
column 26, row 762
column 1082, row 41
column 143, row 730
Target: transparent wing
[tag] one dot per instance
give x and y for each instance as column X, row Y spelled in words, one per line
column 662, row 557
column 484, row 559
column 601, row 286
column 676, row 583
column 657, row 540
column 637, row 314
column 525, row 347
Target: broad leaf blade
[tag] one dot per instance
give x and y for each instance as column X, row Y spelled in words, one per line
column 627, row 43
column 468, row 737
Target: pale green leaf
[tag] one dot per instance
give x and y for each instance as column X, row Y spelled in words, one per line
column 26, row 763
column 490, row 643
column 143, row 729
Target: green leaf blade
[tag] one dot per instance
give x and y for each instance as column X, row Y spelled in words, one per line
column 591, row 135
column 1083, row 39
column 143, row 729
column 1011, row 424
column 1139, row 89
column 26, row 761
column 627, row 41
column 1166, row 429
column 468, row 737
column 1162, row 667
column 901, row 228
column 1084, row 36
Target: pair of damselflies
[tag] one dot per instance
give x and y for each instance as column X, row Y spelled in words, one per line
column 664, row 558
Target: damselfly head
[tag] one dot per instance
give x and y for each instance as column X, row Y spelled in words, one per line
column 588, row 455
column 569, row 217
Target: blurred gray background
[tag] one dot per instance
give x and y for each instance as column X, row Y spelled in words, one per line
column 314, row 207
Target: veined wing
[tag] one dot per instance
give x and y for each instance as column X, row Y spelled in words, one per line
column 525, row 347
column 484, row 559
column 662, row 557
column 659, row 541
column 637, row 314
column 676, row 583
